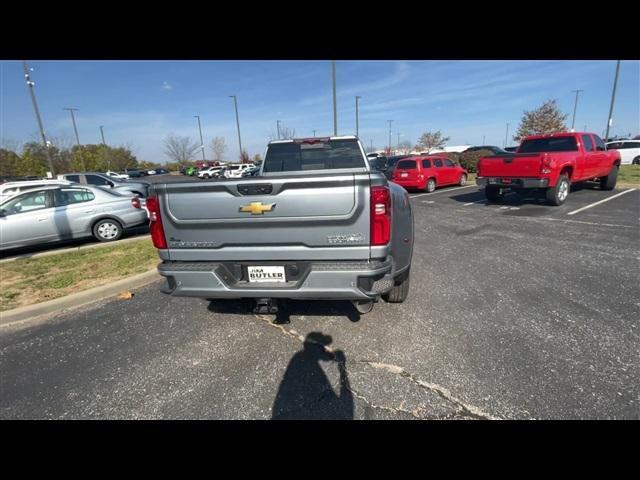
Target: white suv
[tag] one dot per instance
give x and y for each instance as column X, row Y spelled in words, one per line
column 236, row 171
column 629, row 151
column 210, row 172
column 10, row 189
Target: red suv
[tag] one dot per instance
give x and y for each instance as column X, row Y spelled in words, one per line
column 427, row 173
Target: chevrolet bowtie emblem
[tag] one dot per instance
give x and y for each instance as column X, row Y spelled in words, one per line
column 257, row 208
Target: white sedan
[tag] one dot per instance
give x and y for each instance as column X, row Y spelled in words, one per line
column 119, row 176
column 629, row 151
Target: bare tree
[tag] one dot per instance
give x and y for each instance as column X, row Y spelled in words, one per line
column 180, row 149
column 286, row 133
column 218, row 146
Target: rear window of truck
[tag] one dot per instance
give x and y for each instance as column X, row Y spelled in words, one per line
column 556, row 144
column 406, row 165
column 332, row 154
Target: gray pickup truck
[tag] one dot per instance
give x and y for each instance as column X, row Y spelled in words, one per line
column 316, row 223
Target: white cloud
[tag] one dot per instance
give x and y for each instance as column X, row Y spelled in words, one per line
column 166, row 86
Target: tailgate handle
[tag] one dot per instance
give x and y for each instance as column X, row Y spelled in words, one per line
column 255, row 189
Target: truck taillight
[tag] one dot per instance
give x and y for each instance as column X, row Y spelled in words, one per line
column 155, row 223
column 547, row 164
column 380, row 215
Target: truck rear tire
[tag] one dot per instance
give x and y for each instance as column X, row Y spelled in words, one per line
column 558, row 195
column 399, row 292
column 492, row 193
column 609, row 182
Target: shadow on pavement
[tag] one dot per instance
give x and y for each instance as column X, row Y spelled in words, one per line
column 305, row 392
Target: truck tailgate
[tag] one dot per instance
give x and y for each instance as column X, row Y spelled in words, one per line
column 268, row 218
column 518, row 165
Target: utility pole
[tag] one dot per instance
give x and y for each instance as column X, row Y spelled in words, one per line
column 30, row 84
column 506, row 136
column 389, row 135
column 200, row 130
column 235, row 103
column 75, row 129
column 357, row 123
column 314, row 133
column 575, row 107
column 483, row 139
column 371, row 140
column 335, row 104
column 398, row 141
column 613, row 97
column 105, row 144
column 278, row 128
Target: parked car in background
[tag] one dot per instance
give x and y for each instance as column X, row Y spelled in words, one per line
column 9, row 189
column 629, row 151
column 428, row 172
column 60, row 212
column 150, row 172
column 134, row 173
column 236, row 170
column 119, row 176
column 550, row 163
column 378, row 163
column 161, row 171
column 104, row 181
column 391, row 164
column 191, row 171
column 491, row 148
column 210, row 172
column 253, row 171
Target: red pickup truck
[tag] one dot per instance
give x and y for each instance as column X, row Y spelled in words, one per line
column 550, row 162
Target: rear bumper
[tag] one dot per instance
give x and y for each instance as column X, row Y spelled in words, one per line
column 513, row 182
column 407, row 183
column 311, row 280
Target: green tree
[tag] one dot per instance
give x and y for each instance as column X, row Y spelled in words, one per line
column 431, row 140
column 545, row 119
column 10, row 163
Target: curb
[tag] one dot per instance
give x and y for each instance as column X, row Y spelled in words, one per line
column 59, row 305
column 73, row 249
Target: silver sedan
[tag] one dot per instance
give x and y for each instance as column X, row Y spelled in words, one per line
column 54, row 213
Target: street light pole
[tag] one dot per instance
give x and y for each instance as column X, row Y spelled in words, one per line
column 398, row 141
column 235, row 103
column 200, row 130
column 575, row 107
column 73, row 120
column 506, row 135
column 335, row 102
column 314, row 133
column 613, row 97
column 483, row 136
column 105, row 144
column 357, row 119
column 75, row 129
column 278, row 128
column 389, row 135
column 30, row 84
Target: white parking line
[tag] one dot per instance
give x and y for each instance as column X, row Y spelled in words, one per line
column 441, row 191
column 601, row 201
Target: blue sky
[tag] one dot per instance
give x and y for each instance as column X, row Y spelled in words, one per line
column 141, row 102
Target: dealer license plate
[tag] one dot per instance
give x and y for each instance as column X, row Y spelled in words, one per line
column 266, row 274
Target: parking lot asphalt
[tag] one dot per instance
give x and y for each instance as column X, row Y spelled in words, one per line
column 517, row 310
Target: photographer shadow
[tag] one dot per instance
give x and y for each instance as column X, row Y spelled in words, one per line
column 305, row 392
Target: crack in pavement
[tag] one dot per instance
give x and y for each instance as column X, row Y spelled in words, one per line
column 462, row 409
